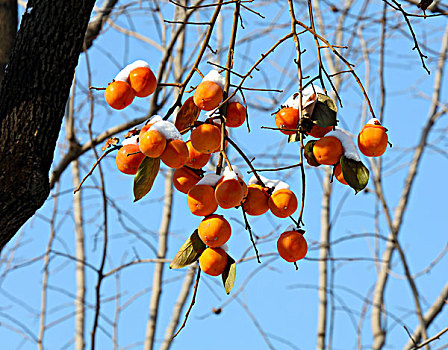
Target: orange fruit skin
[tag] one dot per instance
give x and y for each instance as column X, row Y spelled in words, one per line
column 372, row 140
column 338, row 174
column 328, row 150
column 213, row 261
column 214, row 230
column 208, row 95
column 129, row 164
column 184, row 179
column 283, row 203
column 292, row 246
column 142, row 81
column 196, row 160
column 175, row 154
column 119, row 94
column 229, row 193
column 206, row 138
column 152, row 143
column 235, row 115
column 318, row 131
column 287, row 118
column 201, row 200
column 257, row 199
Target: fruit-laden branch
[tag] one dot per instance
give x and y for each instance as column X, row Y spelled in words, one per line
column 32, row 102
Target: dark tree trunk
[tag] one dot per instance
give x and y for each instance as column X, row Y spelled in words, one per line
column 8, row 29
column 35, row 89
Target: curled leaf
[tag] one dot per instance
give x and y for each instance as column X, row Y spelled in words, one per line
column 110, row 142
column 355, row 173
column 187, row 115
column 308, row 153
column 144, row 179
column 324, row 113
column 229, row 274
column 190, row 251
column 131, row 133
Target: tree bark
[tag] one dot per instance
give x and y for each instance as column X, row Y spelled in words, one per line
column 32, row 102
column 8, row 30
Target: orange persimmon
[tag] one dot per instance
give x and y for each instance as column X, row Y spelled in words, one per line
column 214, row 230
column 175, row 154
column 328, row 150
column 213, row 261
column 119, row 94
column 201, row 200
column 287, row 118
column 142, row 81
column 292, row 246
column 283, row 203
column 127, row 162
column 208, row 95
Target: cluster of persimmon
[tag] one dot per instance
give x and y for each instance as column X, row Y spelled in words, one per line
column 136, row 79
column 333, row 142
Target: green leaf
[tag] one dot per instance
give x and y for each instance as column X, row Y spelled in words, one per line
column 228, row 276
column 324, row 113
column 308, row 153
column 144, row 179
column 190, row 251
column 187, row 115
column 355, row 173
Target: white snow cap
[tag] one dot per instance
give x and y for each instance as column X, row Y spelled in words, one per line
column 347, row 144
column 167, row 129
column 235, row 98
column 374, row 121
column 294, row 100
column 236, row 171
column 215, row 77
column 209, row 180
column 276, row 184
column 291, row 227
column 130, row 140
column 123, row 75
column 229, row 175
column 154, row 119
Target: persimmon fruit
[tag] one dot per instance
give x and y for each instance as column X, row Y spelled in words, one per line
column 201, row 200
column 196, row 159
column 373, row 140
column 214, row 230
column 175, row 154
column 318, row 131
column 152, row 143
column 184, row 179
column 328, row 150
column 206, row 138
column 208, row 95
column 292, row 246
column 287, row 118
column 338, row 174
column 235, row 115
column 283, row 203
column 229, row 193
column 142, row 81
column 213, row 261
column 119, row 94
column 127, row 162
column 256, row 202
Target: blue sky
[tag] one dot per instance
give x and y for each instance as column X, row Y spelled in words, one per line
column 282, row 300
